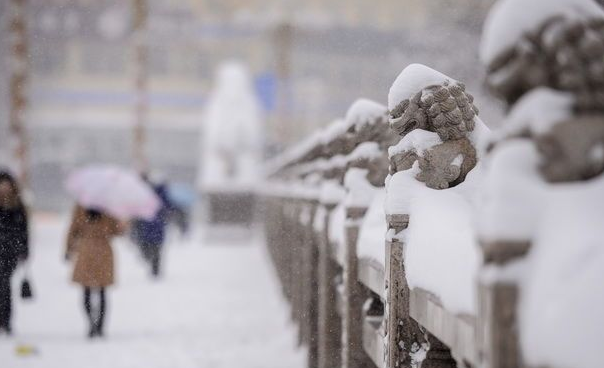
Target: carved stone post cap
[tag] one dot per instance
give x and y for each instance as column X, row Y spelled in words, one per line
column 355, row 213
column 397, row 222
column 503, row 251
column 329, row 206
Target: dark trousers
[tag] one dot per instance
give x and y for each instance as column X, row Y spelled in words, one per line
column 5, row 301
column 155, row 261
column 96, row 312
column 152, row 253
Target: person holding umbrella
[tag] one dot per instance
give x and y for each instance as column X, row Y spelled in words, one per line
column 106, row 197
column 150, row 234
column 14, row 241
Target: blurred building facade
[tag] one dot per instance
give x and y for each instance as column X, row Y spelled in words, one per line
column 82, row 95
column 338, row 50
column 311, row 59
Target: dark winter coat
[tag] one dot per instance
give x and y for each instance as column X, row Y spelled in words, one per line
column 153, row 232
column 14, row 240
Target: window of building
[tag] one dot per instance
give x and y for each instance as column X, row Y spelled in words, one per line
column 104, row 58
column 48, row 57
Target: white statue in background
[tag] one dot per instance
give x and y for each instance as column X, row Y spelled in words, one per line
column 231, row 142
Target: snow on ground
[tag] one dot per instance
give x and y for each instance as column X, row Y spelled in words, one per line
column 217, row 306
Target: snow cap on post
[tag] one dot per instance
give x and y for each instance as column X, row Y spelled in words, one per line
column 370, row 122
column 360, row 192
column 364, row 111
column 536, row 113
column 331, row 193
column 369, row 156
column 412, row 79
column 337, row 138
column 334, row 130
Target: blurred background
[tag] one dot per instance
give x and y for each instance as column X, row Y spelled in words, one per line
column 125, row 81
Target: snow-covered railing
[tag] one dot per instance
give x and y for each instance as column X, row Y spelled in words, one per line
column 413, row 236
column 325, row 191
column 352, row 298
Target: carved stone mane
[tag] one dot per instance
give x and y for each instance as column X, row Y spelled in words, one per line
column 449, row 111
column 572, row 150
column 446, row 109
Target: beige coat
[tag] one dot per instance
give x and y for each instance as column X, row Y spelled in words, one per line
column 89, row 243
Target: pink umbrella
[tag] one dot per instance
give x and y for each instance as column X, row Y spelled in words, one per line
column 117, row 191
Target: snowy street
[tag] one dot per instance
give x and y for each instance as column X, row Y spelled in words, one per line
column 217, row 305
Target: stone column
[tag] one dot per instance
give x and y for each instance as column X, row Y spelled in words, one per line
column 497, row 330
column 311, row 294
column 329, row 324
column 353, row 354
column 404, row 336
column 295, row 249
column 280, row 250
column 287, row 249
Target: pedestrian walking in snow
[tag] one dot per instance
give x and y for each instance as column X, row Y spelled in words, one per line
column 89, row 245
column 13, row 243
column 150, row 234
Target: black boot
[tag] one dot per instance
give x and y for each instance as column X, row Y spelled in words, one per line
column 99, row 330
column 100, row 322
column 156, row 261
column 88, row 309
column 97, row 327
column 92, row 331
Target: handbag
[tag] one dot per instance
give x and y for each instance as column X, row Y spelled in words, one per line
column 26, row 292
